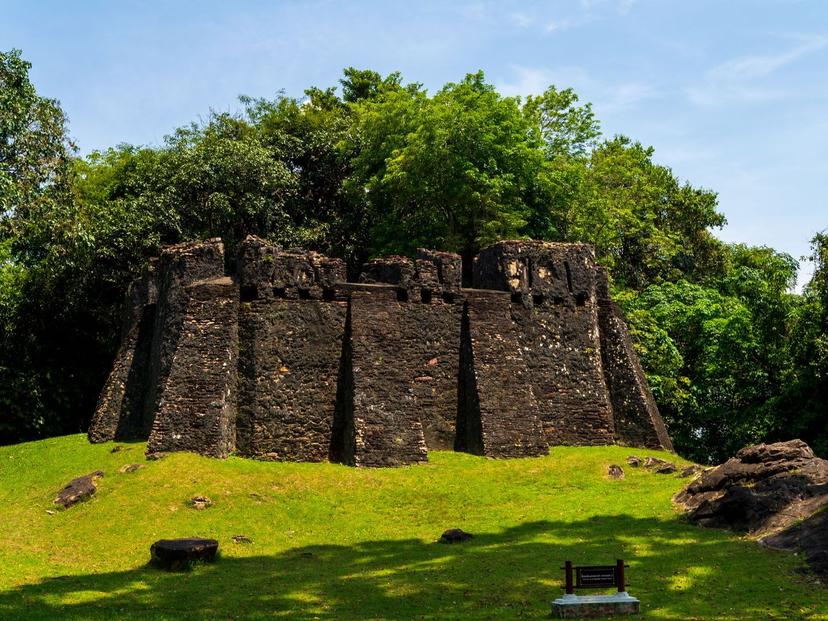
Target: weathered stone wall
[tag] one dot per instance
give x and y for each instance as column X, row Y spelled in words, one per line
column 178, row 266
column 637, row 420
column 119, row 412
column 435, row 355
column 428, row 307
column 289, row 356
column 497, row 412
column 563, row 359
column 265, row 271
column 197, row 396
column 385, row 368
column 555, row 307
column 287, row 361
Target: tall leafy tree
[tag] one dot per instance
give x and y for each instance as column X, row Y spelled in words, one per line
column 40, row 234
column 646, row 226
column 801, row 410
column 453, row 171
column 689, row 331
column 34, row 146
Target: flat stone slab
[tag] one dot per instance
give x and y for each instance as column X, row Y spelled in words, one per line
column 174, row 554
column 78, row 490
column 586, row 606
column 455, row 535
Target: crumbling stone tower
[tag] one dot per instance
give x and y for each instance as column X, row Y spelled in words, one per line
column 286, row 360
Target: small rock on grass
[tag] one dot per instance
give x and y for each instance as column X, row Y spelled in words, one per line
column 615, row 471
column 659, row 466
column 129, row 468
column 634, row 461
column 78, row 490
column 200, row 502
column 242, row 539
column 455, row 535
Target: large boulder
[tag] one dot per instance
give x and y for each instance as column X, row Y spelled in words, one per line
column 810, row 536
column 774, row 491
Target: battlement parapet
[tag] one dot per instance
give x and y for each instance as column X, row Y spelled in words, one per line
column 286, row 360
column 538, row 271
column 265, row 271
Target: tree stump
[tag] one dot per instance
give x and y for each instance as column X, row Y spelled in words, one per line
column 175, row 554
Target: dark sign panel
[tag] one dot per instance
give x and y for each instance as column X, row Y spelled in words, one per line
column 595, row 577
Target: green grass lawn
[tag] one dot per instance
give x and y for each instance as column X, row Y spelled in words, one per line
column 332, row 542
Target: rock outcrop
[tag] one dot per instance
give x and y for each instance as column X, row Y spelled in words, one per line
column 283, row 359
column 778, row 492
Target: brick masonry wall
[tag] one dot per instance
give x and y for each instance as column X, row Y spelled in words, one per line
column 637, row 420
column 386, row 363
column 119, row 412
column 289, row 358
column 503, row 411
column 178, row 266
column 197, row 402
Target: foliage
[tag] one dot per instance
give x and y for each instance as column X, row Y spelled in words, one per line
column 709, row 338
column 454, row 171
column 645, row 225
column 801, row 409
column 370, row 552
column 34, row 150
column 39, row 234
column 567, row 130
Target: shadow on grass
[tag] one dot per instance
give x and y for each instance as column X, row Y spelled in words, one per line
column 677, row 571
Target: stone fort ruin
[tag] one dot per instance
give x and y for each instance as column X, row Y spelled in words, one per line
column 286, row 360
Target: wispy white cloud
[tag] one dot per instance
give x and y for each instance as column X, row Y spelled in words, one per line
column 708, row 94
column 567, row 23
column 761, row 65
column 535, row 80
column 606, row 97
column 591, row 11
column 621, row 6
column 626, row 95
column 741, row 79
column 545, row 18
column 521, row 20
column 625, row 6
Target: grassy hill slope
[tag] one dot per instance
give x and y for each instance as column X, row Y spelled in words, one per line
column 332, row 542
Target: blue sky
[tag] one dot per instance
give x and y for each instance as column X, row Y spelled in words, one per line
column 732, row 94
